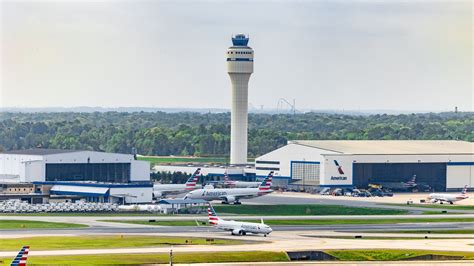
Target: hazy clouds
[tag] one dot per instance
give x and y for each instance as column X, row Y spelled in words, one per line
column 325, row 54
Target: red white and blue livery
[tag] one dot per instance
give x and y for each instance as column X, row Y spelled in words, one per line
column 236, row 227
column 20, row 259
column 232, row 195
column 238, row 184
column 442, row 197
column 162, row 190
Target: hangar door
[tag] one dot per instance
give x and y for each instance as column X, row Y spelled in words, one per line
column 432, row 174
column 459, row 175
column 307, row 172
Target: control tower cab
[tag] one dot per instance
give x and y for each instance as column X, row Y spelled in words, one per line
column 239, row 68
column 240, row 56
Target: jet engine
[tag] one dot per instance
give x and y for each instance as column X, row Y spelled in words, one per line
column 230, row 199
column 238, row 232
column 157, row 194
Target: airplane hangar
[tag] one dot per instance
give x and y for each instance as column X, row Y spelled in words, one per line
column 39, row 175
column 39, row 165
column 440, row 165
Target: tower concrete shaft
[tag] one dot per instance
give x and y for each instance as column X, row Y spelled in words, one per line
column 239, row 68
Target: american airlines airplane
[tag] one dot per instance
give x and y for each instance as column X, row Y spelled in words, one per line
column 238, row 184
column 161, row 190
column 20, row 259
column 235, row 227
column 403, row 186
column 232, row 195
column 437, row 197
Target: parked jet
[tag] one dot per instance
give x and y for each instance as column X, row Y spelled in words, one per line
column 162, row 190
column 232, row 195
column 438, row 197
column 20, row 259
column 238, row 184
column 235, row 227
column 403, row 186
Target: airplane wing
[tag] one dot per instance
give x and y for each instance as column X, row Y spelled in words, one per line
column 20, row 259
column 237, row 197
column 441, row 199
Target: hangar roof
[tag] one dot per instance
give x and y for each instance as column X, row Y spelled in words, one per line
column 39, row 151
column 391, row 146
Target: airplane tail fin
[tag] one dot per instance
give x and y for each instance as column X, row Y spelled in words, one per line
column 227, row 181
column 267, row 182
column 464, row 190
column 226, row 176
column 20, row 259
column 213, row 218
column 411, row 182
column 192, row 181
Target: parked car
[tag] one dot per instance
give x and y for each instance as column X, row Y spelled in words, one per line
column 362, row 194
column 325, row 191
column 337, row 192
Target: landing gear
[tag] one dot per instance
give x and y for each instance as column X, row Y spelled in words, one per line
column 224, row 202
column 237, row 202
column 265, row 235
column 451, row 202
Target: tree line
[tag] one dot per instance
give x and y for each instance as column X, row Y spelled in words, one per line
column 159, row 133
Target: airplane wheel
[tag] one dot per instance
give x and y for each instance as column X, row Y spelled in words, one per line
column 244, row 233
column 264, row 235
column 451, row 202
column 237, row 203
column 224, row 202
column 441, row 202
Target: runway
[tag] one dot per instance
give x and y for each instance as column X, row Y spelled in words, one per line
column 123, row 228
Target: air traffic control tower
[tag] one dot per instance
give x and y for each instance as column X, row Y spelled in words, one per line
column 239, row 67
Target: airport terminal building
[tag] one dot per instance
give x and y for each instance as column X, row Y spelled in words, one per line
column 443, row 165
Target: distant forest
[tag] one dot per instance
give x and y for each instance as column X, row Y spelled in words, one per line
column 186, row 133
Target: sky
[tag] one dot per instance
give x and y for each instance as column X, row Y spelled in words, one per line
column 337, row 55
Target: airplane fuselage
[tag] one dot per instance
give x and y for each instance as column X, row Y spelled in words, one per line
column 242, row 184
column 239, row 228
column 161, row 190
column 227, row 194
column 447, row 197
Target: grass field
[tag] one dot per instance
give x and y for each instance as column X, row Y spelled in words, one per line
column 106, row 241
column 307, row 221
column 138, row 259
column 387, row 237
column 436, row 206
column 25, row 224
column 391, row 255
column 85, row 214
column 453, row 231
column 304, row 209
